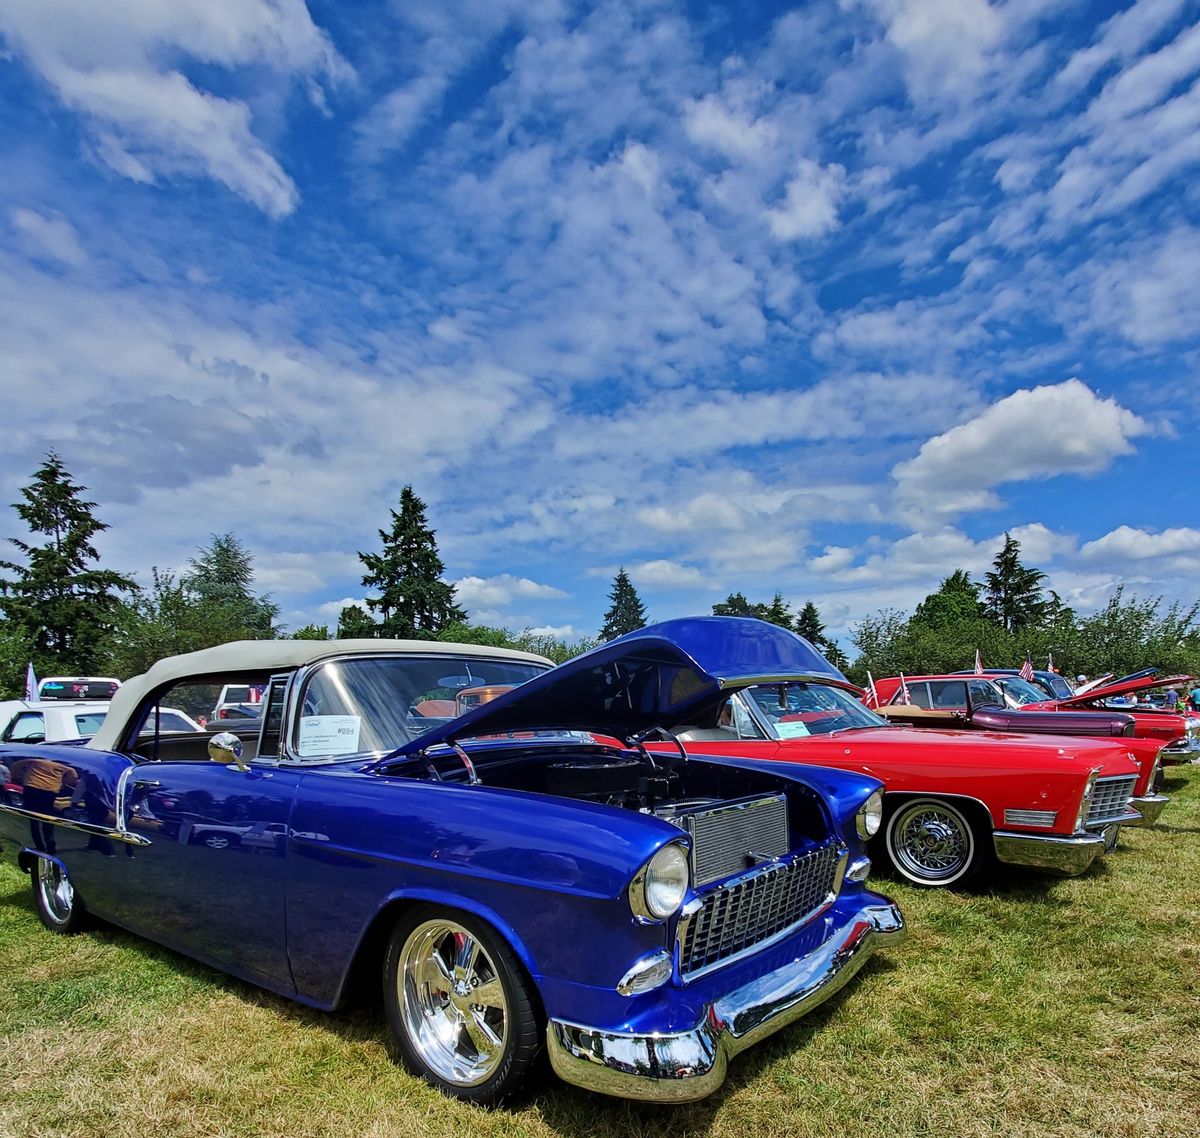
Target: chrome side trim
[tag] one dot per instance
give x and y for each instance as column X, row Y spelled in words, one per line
column 74, row 824
column 1068, row 856
column 688, row 1065
column 1149, row 806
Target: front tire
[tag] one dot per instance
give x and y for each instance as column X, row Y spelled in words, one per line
column 930, row 841
column 461, row 1007
column 58, row 906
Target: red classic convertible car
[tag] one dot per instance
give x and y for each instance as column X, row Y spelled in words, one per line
column 954, row 800
column 1009, row 704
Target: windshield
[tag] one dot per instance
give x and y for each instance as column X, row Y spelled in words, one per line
column 371, row 705
column 1020, row 692
column 795, row 709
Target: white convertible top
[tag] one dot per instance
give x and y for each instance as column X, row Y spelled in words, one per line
column 242, row 656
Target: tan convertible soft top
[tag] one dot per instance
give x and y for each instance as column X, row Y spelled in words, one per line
column 240, row 657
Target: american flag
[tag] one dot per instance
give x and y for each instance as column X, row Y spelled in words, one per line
column 978, row 663
column 1050, row 662
column 904, row 697
column 1026, row 672
column 256, row 693
column 872, row 695
column 31, row 684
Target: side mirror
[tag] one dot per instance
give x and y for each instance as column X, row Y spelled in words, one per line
column 226, row 748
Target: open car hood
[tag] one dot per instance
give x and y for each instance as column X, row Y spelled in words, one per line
column 1124, row 687
column 679, row 671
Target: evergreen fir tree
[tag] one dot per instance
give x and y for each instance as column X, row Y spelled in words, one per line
column 626, row 613
column 1013, row 593
column 735, row 605
column 59, row 597
column 777, row 612
column 809, row 625
column 355, row 623
column 414, row 602
column 220, row 577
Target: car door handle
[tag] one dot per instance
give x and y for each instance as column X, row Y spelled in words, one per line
column 146, row 782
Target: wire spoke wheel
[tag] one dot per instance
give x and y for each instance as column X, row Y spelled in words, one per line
column 930, row 842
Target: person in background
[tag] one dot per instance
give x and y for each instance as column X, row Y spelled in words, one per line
column 1194, row 697
column 1172, row 700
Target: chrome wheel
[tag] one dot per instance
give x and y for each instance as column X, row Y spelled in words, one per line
column 216, row 842
column 54, row 898
column 452, row 1002
column 56, row 891
column 930, row 842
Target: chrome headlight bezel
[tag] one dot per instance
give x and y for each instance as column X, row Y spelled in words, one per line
column 869, row 816
column 659, row 888
column 1086, row 800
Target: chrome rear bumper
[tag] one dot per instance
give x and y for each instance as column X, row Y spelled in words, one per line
column 1149, row 807
column 689, row 1065
column 1065, row 855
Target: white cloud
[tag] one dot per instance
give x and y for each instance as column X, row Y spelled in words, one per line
column 1152, row 296
column 1173, row 550
column 1033, row 433
column 810, row 205
column 730, row 130
column 663, row 573
column 49, row 235
column 495, row 592
column 948, row 45
column 111, row 63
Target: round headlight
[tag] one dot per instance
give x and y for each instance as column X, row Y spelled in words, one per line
column 659, row 888
column 870, row 816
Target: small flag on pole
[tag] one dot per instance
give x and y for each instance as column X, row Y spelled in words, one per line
column 1050, row 662
column 904, row 690
column 31, row 684
column 978, row 663
column 1026, row 672
column 872, row 694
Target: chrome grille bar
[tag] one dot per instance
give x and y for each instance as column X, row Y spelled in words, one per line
column 762, row 904
column 1110, row 799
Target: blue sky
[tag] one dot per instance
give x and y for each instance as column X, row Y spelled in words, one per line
column 818, row 299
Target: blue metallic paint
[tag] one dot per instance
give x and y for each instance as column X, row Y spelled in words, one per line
column 275, row 874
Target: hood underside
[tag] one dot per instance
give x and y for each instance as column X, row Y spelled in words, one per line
column 679, row 671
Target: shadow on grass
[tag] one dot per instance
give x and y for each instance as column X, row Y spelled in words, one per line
column 567, row 1109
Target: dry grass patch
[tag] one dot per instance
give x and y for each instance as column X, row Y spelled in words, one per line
column 1031, row 1006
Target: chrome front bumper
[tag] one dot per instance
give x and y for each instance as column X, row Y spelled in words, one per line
column 689, row 1065
column 1067, row 856
column 1149, row 807
column 1182, row 749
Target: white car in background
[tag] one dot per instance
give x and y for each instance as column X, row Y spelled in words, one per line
column 60, row 721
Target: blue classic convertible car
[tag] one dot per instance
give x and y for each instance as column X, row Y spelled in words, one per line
column 524, row 878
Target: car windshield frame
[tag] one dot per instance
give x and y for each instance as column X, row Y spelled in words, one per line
column 828, row 706
column 336, row 698
column 1015, row 687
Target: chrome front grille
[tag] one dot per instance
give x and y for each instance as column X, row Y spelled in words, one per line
column 1110, row 798
column 766, row 901
column 729, row 838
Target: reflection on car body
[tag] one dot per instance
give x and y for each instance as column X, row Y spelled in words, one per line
column 640, row 919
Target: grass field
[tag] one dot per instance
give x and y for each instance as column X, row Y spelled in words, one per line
column 1030, row 1006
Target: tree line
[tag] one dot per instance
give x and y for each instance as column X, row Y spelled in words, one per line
column 62, row 611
